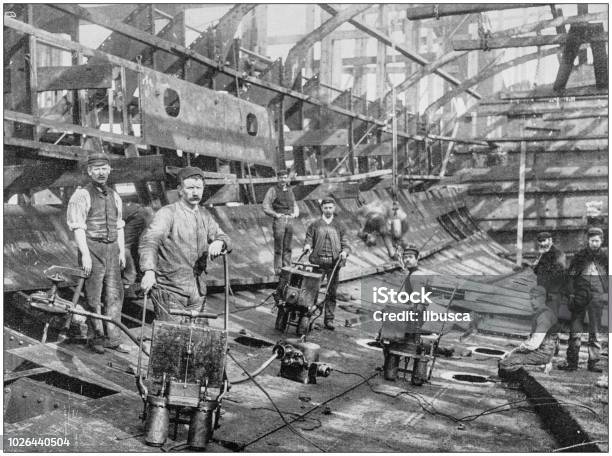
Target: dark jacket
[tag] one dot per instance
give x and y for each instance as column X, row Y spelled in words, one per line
column 314, row 238
column 550, row 270
column 580, row 261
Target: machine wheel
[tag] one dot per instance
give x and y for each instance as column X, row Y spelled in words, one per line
column 281, row 319
column 302, row 326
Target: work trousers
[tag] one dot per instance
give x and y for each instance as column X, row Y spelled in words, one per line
column 586, row 302
column 130, row 273
column 330, row 298
column 104, row 286
column 515, row 360
column 165, row 300
column 282, row 228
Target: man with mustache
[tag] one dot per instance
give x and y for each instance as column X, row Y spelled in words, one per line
column 326, row 242
column 550, row 270
column 94, row 215
column 175, row 248
column 279, row 203
column 588, row 288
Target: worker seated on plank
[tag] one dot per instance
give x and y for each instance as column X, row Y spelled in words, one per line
column 386, row 220
column 175, row 248
column 540, row 347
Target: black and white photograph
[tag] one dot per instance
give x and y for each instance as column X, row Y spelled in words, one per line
column 305, row 227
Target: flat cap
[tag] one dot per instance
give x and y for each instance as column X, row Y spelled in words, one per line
column 594, row 231
column 282, row 172
column 543, row 235
column 189, row 171
column 98, row 158
column 411, row 248
column 327, row 200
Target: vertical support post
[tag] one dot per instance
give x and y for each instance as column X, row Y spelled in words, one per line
column 381, row 58
column 351, row 137
column 111, row 120
column 394, row 148
column 33, row 80
column 124, row 103
column 299, row 162
column 521, row 202
column 281, row 121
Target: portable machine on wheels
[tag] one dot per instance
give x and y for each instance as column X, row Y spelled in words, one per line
column 297, row 296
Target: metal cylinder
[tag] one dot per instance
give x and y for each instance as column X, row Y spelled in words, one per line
column 202, row 424
column 157, row 422
column 391, row 366
column 419, row 371
column 310, row 351
column 323, row 370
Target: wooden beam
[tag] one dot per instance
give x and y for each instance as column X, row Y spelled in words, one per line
column 181, row 51
column 48, row 149
column 226, row 28
column 71, row 128
column 521, row 41
column 297, row 54
column 543, row 138
column 570, row 51
column 486, row 74
column 568, row 94
column 449, row 9
column 521, row 204
column 74, row 77
column 401, row 49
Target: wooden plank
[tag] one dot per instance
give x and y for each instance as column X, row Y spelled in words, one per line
column 71, row 128
column 300, row 138
column 449, row 9
column 48, row 149
column 521, row 205
column 543, row 138
column 74, row 77
column 502, row 43
column 568, row 94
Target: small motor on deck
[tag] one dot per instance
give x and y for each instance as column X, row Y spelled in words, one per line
column 300, row 361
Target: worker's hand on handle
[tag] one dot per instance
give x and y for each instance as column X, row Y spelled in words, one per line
column 86, row 263
column 343, row 256
column 307, row 249
column 215, row 249
column 148, row 281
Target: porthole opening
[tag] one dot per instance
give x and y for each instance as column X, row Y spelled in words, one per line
column 172, row 103
column 251, row 124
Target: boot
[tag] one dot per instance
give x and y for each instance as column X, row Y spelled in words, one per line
column 567, row 366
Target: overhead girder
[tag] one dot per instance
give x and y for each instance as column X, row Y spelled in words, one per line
column 486, row 74
column 402, row 49
column 297, row 54
column 450, row 9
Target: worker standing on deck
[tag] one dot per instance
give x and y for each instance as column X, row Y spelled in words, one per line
column 588, row 294
column 549, row 268
column 328, row 248
column 280, row 204
column 539, row 348
column 94, row 215
column 175, row 248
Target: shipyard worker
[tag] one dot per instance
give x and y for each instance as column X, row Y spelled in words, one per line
column 549, row 268
column 328, row 248
column 175, row 248
column 95, row 216
column 539, row 348
column 386, row 220
column 588, row 294
column 279, row 203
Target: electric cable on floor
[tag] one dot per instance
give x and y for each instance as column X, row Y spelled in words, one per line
column 287, row 423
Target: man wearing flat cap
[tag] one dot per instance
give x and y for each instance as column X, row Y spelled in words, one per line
column 549, row 269
column 588, row 288
column 328, row 248
column 279, row 203
column 175, row 248
column 94, row 215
